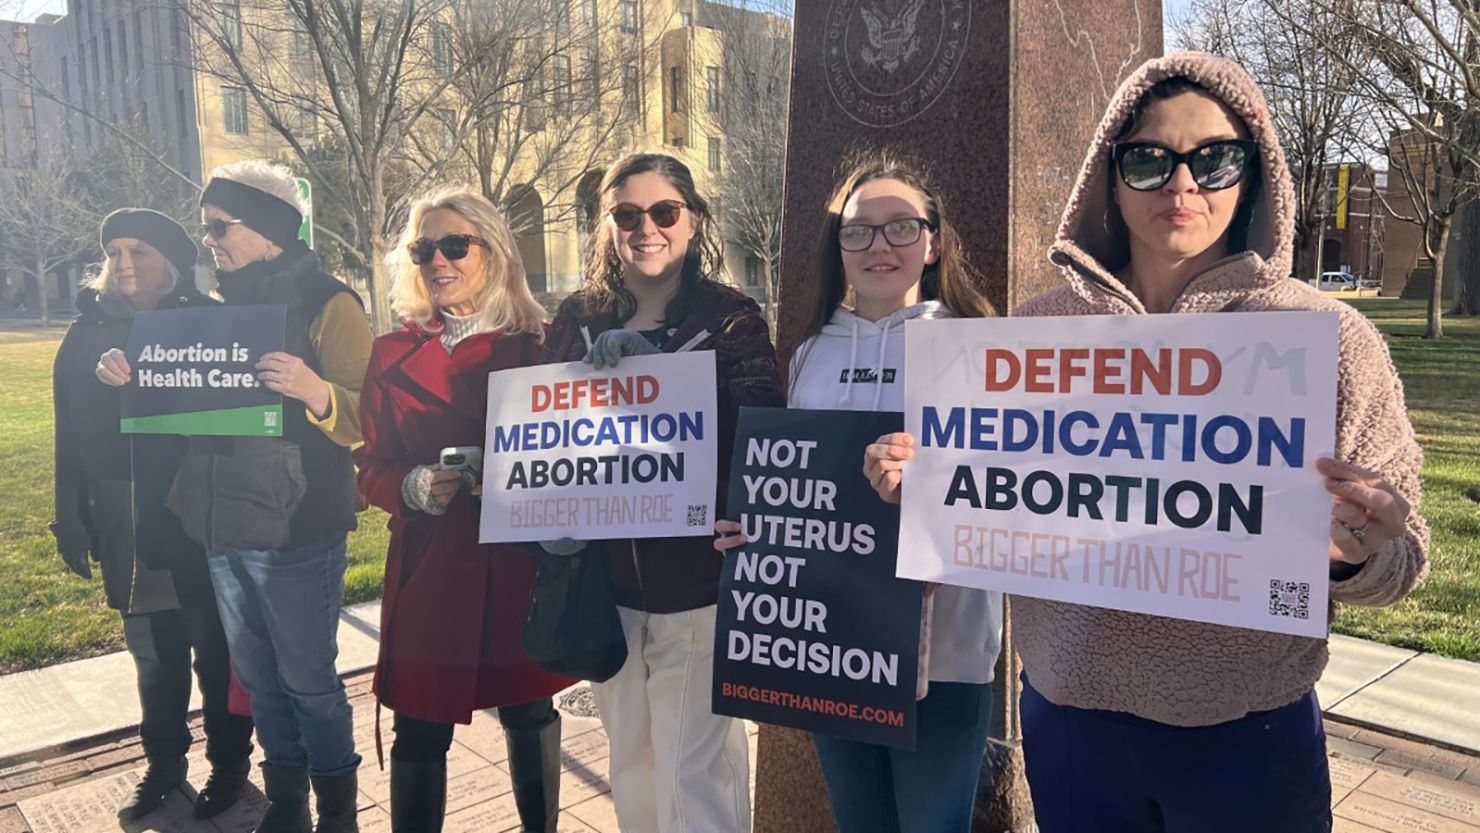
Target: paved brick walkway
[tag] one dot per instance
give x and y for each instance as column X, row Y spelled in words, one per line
column 1381, row 783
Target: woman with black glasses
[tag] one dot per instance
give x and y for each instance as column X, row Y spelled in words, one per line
column 1137, row 723
column 454, row 609
column 651, row 288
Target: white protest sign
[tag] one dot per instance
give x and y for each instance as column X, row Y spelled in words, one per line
column 626, row 452
column 1160, row 464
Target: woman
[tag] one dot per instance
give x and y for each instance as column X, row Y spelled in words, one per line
column 889, row 256
column 273, row 512
column 454, row 609
column 110, row 502
column 1139, row 723
column 650, row 288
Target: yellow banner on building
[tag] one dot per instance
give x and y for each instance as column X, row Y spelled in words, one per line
column 1343, row 190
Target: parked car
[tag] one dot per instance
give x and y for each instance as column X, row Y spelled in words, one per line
column 1336, row 282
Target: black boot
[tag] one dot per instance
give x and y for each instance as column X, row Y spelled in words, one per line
column 222, row 789
column 418, row 796
column 161, row 777
column 339, row 803
column 534, row 764
column 287, row 796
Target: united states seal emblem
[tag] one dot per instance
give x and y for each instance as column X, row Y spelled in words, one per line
column 888, row 61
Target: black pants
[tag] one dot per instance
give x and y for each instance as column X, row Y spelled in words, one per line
column 425, row 740
column 161, row 645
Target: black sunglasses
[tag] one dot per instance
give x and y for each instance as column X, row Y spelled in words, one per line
column 452, row 247
column 1215, row 165
column 217, row 227
column 859, row 237
column 665, row 213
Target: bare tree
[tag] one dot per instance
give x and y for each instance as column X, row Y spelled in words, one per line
column 751, row 113
column 45, row 221
column 1291, row 49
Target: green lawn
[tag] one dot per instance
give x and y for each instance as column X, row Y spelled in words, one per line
column 47, row 615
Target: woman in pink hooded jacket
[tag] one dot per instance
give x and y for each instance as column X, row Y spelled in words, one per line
column 1140, row 723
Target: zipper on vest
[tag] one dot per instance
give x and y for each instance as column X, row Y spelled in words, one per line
column 637, row 566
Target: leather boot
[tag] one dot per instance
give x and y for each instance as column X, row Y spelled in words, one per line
column 162, row 776
column 418, row 796
column 287, row 797
column 339, row 803
column 222, row 789
column 534, row 765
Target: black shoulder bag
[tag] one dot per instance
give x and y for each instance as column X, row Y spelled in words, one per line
column 573, row 627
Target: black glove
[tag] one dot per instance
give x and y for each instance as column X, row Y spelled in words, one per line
column 74, row 547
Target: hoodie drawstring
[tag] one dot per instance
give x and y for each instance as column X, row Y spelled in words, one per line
column 879, row 366
column 852, row 357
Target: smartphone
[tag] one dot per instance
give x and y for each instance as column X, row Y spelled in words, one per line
column 463, row 458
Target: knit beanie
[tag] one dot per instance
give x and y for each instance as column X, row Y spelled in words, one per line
column 157, row 230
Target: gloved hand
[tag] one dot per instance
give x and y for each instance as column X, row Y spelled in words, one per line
column 612, row 345
column 416, row 490
column 74, row 547
column 563, row 546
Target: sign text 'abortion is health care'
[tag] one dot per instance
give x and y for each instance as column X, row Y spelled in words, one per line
column 626, row 452
column 1159, row 464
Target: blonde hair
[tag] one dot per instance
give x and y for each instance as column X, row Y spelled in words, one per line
column 268, row 177
column 505, row 302
column 104, row 282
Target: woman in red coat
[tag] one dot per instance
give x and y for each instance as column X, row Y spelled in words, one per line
column 454, row 609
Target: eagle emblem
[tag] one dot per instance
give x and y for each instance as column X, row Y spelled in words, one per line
column 891, row 38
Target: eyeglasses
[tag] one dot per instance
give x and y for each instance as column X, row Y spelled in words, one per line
column 665, row 213
column 452, row 247
column 217, row 227
column 858, row 237
column 1216, row 165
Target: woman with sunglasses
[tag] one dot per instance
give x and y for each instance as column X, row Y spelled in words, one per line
column 1141, row 723
column 889, row 255
column 651, row 288
column 273, row 512
column 454, row 609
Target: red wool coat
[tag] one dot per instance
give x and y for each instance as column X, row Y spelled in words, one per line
column 453, row 613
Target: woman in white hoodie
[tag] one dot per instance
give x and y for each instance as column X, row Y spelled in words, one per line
column 887, row 256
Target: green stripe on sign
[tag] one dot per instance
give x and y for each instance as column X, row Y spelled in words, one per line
column 256, row 421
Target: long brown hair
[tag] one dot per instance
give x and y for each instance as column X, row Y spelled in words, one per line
column 950, row 280
column 603, row 270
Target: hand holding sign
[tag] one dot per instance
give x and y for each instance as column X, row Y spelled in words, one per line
column 113, row 369
column 883, row 464
column 288, row 375
column 1367, row 513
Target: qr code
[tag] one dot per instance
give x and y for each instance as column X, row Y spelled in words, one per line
column 698, row 515
column 1290, row 599
column 269, row 419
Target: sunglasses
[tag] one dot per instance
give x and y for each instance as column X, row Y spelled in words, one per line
column 452, row 247
column 217, row 227
column 665, row 213
column 859, row 237
column 1216, row 165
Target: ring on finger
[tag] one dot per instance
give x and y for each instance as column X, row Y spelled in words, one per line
column 1360, row 532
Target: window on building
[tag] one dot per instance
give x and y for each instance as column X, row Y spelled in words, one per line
column 675, row 88
column 446, row 127
column 234, row 110
column 560, row 82
column 585, row 12
column 711, row 89
column 139, row 37
column 180, row 116
column 591, row 77
column 123, row 65
column 303, row 123
column 755, row 273
column 229, row 18
column 534, row 105
column 441, row 48
column 300, row 45
column 630, row 92
column 627, row 17
column 713, row 154
column 686, row 19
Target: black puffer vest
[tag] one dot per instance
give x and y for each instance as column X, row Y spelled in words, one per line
column 265, row 493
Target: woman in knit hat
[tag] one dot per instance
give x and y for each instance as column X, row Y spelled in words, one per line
column 1134, row 722
column 110, row 508
column 273, row 512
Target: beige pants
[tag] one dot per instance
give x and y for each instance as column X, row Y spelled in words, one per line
column 675, row 766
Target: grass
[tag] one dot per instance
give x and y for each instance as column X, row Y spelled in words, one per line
column 47, row 615
column 1442, row 385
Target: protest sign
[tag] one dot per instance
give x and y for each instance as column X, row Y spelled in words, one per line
column 813, row 630
column 1161, row 464
column 194, row 372
column 625, row 452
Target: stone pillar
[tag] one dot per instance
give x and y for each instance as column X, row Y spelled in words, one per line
column 1000, row 98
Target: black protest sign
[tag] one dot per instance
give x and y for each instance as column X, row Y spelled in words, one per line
column 194, row 372
column 814, row 631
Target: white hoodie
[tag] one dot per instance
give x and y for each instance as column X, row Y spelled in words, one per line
column 858, row 365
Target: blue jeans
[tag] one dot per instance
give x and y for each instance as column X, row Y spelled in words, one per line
column 878, row 789
column 280, row 609
column 1094, row 771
